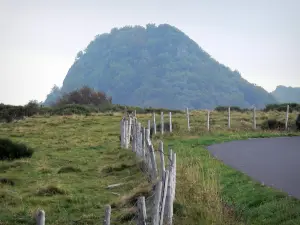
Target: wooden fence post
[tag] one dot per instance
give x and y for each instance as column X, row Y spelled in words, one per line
column 40, row 217
column 147, row 152
column 173, row 175
column 138, row 139
column 287, row 117
column 157, row 201
column 169, row 200
column 164, row 196
column 229, row 122
column 208, row 114
column 129, row 129
column 107, row 215
column 153, row 163
column 142, row 216
column 254, row 118
column 188, row 119
column 144, row 142
column 126, row 134
column 149, row 124
column 134, row 141
column 122, row 128
column 154, row 124
column 170, row 118
column 162, row 158
column 162, row 122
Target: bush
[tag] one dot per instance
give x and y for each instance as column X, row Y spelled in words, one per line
column 272, row 124
column 9, row 113
column 72, row 109
column 232, row 108
column 282, row 107
column 10, row 150
column 298, row 122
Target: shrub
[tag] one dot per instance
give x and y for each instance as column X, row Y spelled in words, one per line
column 282, row 107
column 298, row 122
column 84, row 96
column 10, row 150
column 71, row 109
column 7, row 181
column 273, row 124
column 232, row 108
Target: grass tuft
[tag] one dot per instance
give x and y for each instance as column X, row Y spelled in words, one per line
column 50, row 191
column 7, row 181
column 68, row 169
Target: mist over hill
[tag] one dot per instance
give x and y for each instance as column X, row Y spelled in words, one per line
column 158, row 66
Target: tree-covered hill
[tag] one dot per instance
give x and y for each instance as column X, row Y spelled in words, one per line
column 158, row 66
column 287, row 94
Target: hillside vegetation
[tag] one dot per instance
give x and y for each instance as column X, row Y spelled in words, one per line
column 158, row 66
column 287, row 94
column 83, row 101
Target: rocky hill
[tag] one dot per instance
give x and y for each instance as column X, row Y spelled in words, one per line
column 158, row 66
column 285, row 94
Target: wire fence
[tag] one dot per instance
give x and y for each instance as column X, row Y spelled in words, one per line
column 211, row 117
column 158, row 210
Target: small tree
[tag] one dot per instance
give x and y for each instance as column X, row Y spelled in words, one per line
column 85, row 96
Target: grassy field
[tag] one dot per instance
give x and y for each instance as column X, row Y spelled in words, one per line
column 77, row 157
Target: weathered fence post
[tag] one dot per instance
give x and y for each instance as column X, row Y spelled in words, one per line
column 154, row 124
column 142, row 216
column 208, row 114
column 153, row 163
column 254, row 118
column 107, row 215
column 170, row 118
column 144, row 142
column 173, row 175
column 169, row 203
column 147, row 151
column 133, row 145
column 40, row 217
column 287, row 117
column 162, row 122
column 129, row 129
column 149, row 124
column 164, row 196
column 122, row 128
column 157, row 201
column 188, row 119
column 162, row 159
column 139, row 139
column 229, row 122
column 127, row 140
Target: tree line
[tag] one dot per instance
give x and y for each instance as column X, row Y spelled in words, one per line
column 83, row 101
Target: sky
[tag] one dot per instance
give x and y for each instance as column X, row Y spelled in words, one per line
column 40, row 39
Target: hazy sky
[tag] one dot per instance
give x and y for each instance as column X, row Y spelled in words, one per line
column 40, row 39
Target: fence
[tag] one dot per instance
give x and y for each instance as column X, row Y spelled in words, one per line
column 163, row 179
column 208, row 120
column 159, row 210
